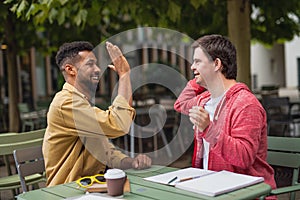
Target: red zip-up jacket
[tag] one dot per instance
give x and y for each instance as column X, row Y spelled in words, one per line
column 237, row 134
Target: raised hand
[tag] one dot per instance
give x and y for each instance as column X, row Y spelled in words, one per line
column 121, row 65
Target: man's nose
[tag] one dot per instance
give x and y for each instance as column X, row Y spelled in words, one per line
column 192, row 66
column 97, row 68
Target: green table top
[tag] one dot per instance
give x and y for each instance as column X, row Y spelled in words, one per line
column 142, row 189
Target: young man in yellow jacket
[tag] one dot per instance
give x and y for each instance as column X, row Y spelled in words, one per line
column 76, row 140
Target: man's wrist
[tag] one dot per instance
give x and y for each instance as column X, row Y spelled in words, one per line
column 126, row 163
column 124, row 74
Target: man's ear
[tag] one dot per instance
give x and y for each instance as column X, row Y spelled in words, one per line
column 218, row 64
column 70, row 69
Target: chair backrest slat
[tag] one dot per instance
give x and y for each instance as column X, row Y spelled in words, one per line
column 6, row 138
column 285, row 152
column 284, row 144
column 29, row 161
column 6, row 149
column 27, row 169
column 284, row 159
column 12, row 141
column 276, row 106
column 9, row 142
column 23, row 107
column 26, row 155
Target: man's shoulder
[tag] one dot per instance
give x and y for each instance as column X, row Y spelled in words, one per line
column 61, row 99
column 61, row 96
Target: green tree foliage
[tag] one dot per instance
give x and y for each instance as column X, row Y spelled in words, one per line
column 271, row 21
column 193, row 17
column 275, row 21
column 48, row 23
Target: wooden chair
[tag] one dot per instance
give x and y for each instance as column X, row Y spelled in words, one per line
column 13, row 141
column 279, row 118
column 28, row 117
column 285, row 152
column 156, row 117
column 29, row 161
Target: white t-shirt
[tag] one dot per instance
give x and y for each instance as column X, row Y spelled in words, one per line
column 210, row 107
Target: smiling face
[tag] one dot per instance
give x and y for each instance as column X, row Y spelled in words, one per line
column 88, row 73
column 202, row 67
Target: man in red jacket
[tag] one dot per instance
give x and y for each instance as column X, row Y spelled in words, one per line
column 229, row 122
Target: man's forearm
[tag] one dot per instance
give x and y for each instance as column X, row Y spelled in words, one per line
column 126, row 163
column 125, row 88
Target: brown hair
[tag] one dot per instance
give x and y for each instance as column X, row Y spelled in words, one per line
column 218, row 46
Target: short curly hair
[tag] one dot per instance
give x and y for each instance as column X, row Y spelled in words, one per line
column 68, row 52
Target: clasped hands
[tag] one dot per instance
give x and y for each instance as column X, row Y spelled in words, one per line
column 121, row 65
column 199, row 117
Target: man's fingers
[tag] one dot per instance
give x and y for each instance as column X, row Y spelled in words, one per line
column 121, row 66
column 136, row 164
column 112, row 67
column 142, row 161
column 113, row 51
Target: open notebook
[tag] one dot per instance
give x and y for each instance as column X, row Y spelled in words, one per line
column 171, row 178
column 206, row 182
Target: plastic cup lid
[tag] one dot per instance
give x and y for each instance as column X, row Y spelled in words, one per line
column 114, row 174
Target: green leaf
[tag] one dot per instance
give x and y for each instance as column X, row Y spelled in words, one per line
column 61, row 16
column 43, row 2
column 21, row 8
column 197, row 3
column 52, row 15
column 80, row 18
column 33, row 9
column 63, row 2
column 14, row 8
column 41, row 17
column 131, row 7
column 114, row 6
column 49, row 3
column 8, row 1
column 174, row 11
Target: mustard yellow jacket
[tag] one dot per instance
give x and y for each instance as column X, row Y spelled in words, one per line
column 76, row 141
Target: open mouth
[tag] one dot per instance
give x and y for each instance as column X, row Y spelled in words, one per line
column 196, row 74
column 95, row 77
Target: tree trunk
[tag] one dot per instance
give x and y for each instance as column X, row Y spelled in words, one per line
column 13, row 78
column 238, row 17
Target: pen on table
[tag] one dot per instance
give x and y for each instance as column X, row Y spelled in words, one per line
column 188, row 178
column 173, row 179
